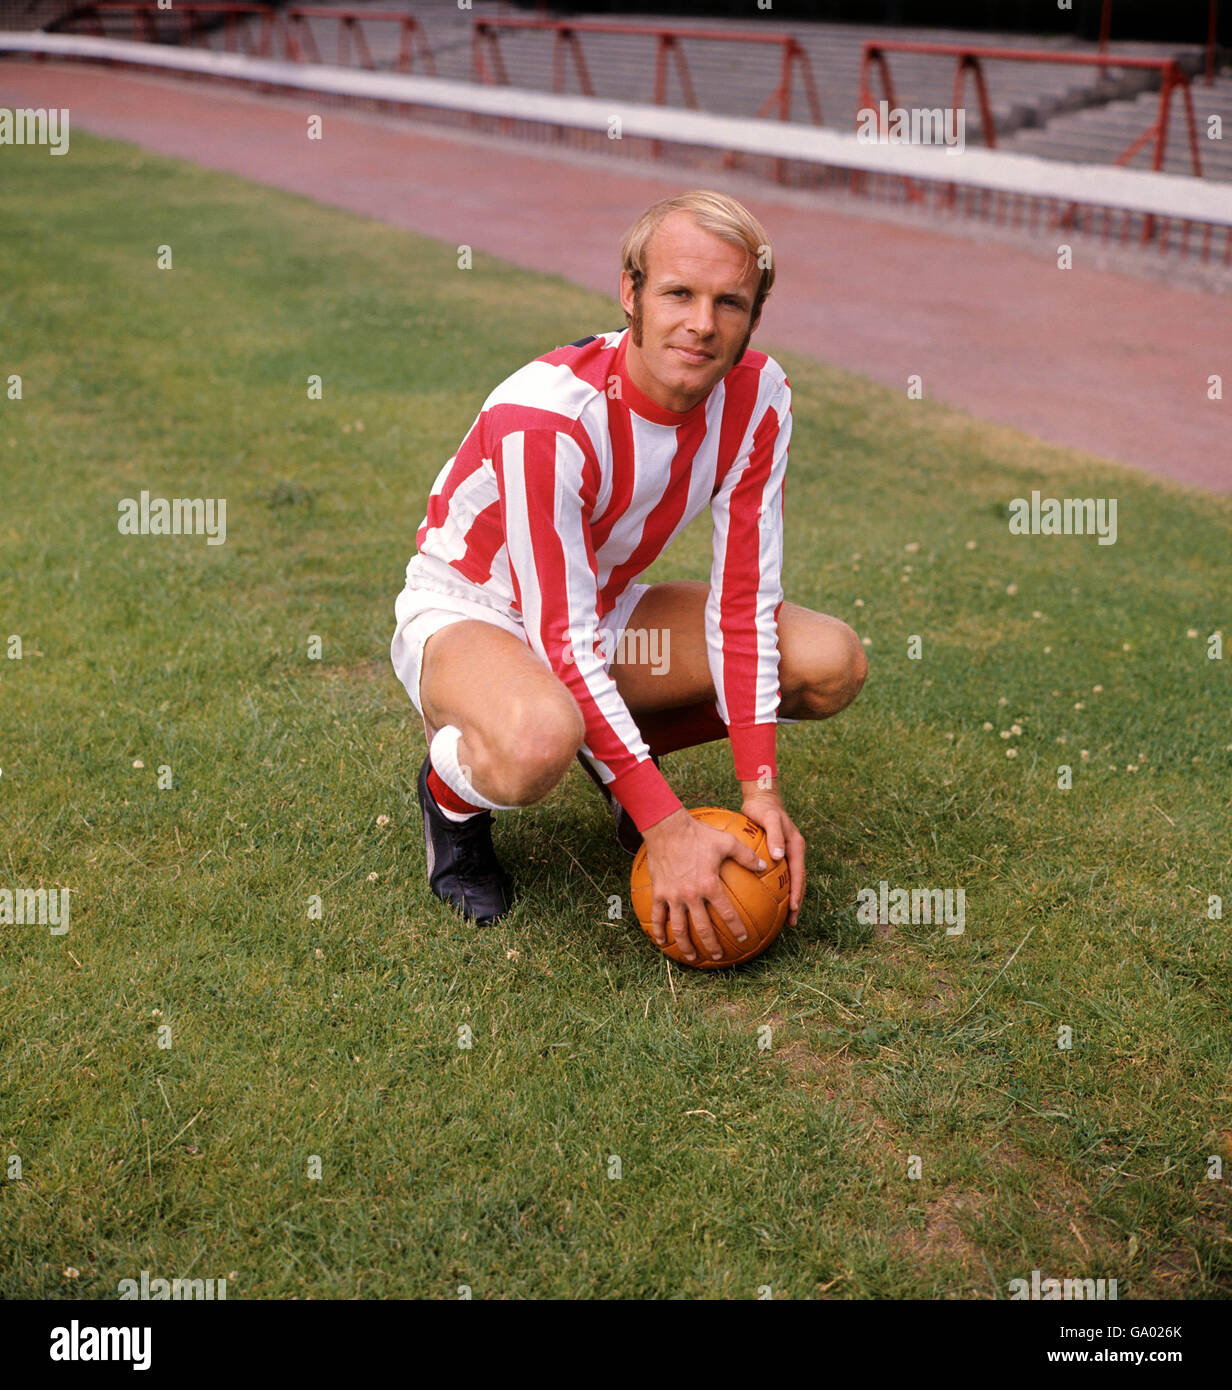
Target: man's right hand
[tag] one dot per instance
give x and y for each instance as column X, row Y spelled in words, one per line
column 683, row 856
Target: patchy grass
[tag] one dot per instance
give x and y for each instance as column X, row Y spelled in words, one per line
column 746, row 1158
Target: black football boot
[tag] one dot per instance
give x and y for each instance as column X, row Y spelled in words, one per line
column 463, row 869
column 628, row 836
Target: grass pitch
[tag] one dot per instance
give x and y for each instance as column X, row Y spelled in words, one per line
column 741, row 1167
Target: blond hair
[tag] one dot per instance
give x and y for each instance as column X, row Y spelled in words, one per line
column 713, row 212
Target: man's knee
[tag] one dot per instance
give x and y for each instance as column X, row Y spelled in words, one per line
column 539, row 740
column 827, row 675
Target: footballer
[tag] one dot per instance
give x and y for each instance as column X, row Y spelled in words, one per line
column 579, row 471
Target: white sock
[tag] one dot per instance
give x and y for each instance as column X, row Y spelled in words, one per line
column 443, row 754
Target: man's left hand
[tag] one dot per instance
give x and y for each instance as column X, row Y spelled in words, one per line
column 765, row 808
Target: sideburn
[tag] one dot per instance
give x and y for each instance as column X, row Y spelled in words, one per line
column 635, row 320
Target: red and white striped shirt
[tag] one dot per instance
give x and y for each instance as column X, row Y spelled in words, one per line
column 571, row 482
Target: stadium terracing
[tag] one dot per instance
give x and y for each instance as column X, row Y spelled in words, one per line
column 1119, row 140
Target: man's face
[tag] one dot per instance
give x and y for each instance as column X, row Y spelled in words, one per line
column 690, row 323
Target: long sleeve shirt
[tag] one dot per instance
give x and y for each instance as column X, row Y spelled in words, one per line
column 571, row 482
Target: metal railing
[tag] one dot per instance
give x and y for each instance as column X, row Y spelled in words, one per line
column 259, row 30
column 1172, row 79
column 488, row 64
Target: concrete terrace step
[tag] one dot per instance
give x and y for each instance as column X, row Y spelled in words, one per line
column 1099, row 135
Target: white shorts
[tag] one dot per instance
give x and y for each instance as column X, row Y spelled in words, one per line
column 437, row 595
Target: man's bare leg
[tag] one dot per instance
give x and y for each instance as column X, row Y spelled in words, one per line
column 822, row 665
column 520, row 726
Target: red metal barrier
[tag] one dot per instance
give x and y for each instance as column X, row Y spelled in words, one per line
column 485, row 46
column 1171, row 73
column 259, row 30
column 485, row 39
column 1172, row 79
